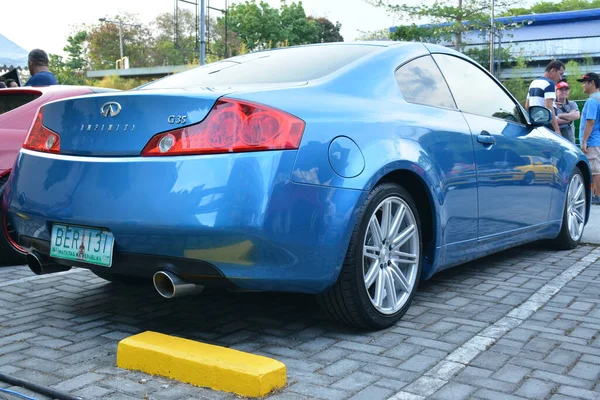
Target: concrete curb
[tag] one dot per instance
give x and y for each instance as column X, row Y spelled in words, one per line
column 201, row 364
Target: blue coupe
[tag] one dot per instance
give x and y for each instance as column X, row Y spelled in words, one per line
column 347, row 170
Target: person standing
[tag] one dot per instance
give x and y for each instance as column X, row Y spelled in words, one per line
column 589, row 129
column 568, row 112
column 542, row 90
column 37, row 63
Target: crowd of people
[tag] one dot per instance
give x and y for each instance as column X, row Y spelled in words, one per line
column 552, row 91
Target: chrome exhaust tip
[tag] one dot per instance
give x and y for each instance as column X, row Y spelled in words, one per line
column 39, row 265
column 169, row 285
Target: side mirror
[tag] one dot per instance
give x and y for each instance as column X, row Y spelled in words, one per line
column 539, row 115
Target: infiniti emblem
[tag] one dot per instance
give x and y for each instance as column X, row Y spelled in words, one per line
column 110, row 109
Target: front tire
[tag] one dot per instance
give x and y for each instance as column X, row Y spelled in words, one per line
column 382, row 267
column 573, row 214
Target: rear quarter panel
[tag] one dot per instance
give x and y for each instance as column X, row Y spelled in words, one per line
column 366, row 106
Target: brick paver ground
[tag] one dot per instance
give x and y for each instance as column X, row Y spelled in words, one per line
column 62, row 331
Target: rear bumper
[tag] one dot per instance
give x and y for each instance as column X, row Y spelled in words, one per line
column 238, row 213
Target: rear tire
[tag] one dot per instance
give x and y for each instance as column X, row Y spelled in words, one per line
column 8, row 254
column 529, row 178
column 122, row 279
column 382, row 267
column 573, row 221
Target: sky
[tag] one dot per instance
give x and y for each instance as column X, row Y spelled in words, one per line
column 49, row 22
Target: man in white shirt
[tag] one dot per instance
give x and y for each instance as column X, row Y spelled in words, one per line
column 542, row 91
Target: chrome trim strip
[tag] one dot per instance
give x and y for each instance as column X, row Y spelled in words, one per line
column 111, row 159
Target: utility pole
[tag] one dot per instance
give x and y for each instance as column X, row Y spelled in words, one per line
column 492, row 25
column 202, row 38
column 119, row 24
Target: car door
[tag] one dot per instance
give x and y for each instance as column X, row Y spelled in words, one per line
column 510, row 198
column 447, row 151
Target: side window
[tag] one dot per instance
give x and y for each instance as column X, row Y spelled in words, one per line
column 421, row 82
column 475, row 92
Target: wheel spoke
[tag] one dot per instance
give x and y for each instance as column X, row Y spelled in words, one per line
column 572, row 189
column 371, row 252
column 390, row 289
column 379, row 288
column 372, row 274
column 572, row 226
column 579, row 203
column 397, row 220
column 577, row 215
column 386, row 219
column 376, row 231
column 399, row 277
column 403, row 237
column 400, row 257
column 579, row 190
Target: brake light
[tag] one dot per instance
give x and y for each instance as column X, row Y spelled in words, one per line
column 41, row 138
column 231, row 126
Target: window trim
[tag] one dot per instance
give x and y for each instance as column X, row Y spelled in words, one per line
column 455, row 108
column 510, row 96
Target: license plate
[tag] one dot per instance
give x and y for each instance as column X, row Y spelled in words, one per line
column 82, row 244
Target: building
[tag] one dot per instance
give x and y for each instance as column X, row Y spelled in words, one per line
column 539, row 38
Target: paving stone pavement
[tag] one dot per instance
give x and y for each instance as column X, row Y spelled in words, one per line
column 521, row 324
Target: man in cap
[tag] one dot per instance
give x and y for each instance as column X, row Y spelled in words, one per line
column 568, row 112
column 38, row 67
column 589, row 129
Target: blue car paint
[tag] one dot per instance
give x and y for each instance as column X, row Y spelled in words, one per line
column 282, row 220
column 241, row 214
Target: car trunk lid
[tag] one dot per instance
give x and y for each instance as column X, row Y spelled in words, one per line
column 121, row 124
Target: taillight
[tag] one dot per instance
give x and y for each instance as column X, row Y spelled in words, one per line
column 41, row 138
column 231, row 126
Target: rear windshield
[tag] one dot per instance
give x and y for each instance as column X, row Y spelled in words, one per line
column 10, row 101
column 296, row 64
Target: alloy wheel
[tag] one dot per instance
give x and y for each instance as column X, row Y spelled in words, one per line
column 391, row 252
column 576, row 207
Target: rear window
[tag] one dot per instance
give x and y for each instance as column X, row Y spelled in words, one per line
column 296, row 64
column 10, row 101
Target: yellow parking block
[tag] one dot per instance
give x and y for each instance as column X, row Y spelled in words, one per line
column 201, row 364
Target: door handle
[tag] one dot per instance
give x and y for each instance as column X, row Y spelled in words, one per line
column 485, row 138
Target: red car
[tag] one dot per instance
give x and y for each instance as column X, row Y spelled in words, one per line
column 18, row 107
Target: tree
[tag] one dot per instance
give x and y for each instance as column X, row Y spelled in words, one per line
column 104, row 43
column 382, row 34
column 171, row 46
column 482, row 55
column 225, row 40
column 327, row 31
column 77, row 52
column 296, row 29
column 447, row 20
column 414, row 33
column 72, row 71
column 546, row 7
column 257, row 25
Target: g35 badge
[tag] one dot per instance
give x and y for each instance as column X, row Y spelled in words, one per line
column 177, row 119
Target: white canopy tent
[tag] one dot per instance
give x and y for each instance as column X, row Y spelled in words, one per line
column 11, row 55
